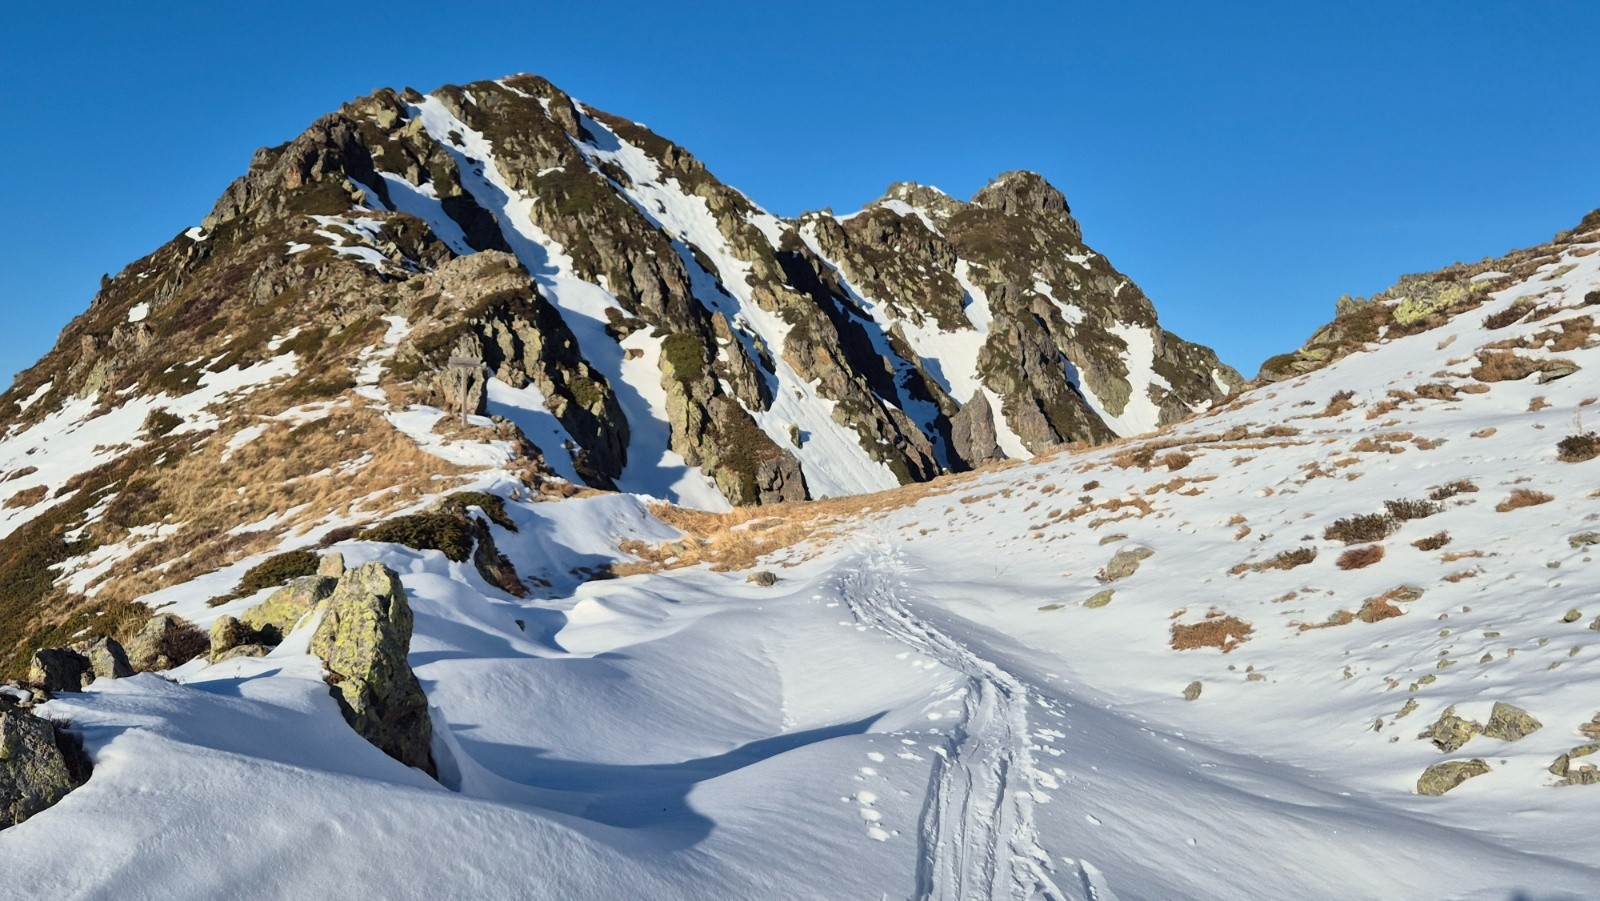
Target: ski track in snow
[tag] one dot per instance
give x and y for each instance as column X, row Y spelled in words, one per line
column 977, row 832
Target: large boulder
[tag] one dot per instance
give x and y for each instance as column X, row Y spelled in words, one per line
column 364, row 637
column 106, row 657
column 60, row 669
column 35, row 770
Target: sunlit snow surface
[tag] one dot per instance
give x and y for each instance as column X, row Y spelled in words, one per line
column 922, row 707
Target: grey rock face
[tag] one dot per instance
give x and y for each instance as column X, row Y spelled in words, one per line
column 106, row 657
column 34, row 772
column 364, row 638
column 972, row 432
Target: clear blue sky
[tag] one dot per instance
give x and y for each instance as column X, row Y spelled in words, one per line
column 1244, row 162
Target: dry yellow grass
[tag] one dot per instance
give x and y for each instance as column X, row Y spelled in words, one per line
column 289, row 478
column 739, row 538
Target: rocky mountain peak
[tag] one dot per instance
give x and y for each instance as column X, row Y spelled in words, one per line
column 1026, row 194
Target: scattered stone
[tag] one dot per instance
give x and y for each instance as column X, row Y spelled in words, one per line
column 764, row 578
column 60, row 669
column 364, row 637
column 1583, row 539
column 1449, row 731
column 1048, row 607
column 1124, row 563
column 1441, row 777
column 1099, row 598
column 38, row 765
column 1510, row 723
column 1191, row 692
column 1407, row 707
column 1255, row 677
column 1572, row 616
column 1112, row 539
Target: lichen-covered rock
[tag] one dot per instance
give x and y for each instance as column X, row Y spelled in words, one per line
column 1442, row 777
column 1191, row 692
column 1449, row 731
column 364, row 637
column 1510, row 723
column 1124, row 563
column 277, row 615
column 764, row 578
column 34, row 771
column 60, row 669
column 107, row 658
column 1099, row 599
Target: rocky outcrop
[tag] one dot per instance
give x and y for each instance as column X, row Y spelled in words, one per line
column 972, row 434
column 364, row 637
column 39, row 764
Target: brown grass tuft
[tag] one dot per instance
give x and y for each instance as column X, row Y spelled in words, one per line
column 1360, row 557
column 1217, row 631
column 1523, row 497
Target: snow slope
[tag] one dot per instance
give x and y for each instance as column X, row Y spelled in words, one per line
column 924, row 706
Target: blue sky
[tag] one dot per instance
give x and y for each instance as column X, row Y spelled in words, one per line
column 1245, row 162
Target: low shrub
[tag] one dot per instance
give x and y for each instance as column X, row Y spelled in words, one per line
column 1361, row 529
column 277, row 570
column 1508, row 315
column 1578, row 448
column 1289, row 559
column 1432, row 542
column 449, row 533
column 1451, row 489
column 1407, row 509
column 161, row 422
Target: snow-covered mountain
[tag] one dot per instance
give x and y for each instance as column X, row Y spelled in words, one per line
column 1323, row 637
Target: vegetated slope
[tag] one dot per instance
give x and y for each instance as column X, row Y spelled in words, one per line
column 978, row 687
column 626, row 321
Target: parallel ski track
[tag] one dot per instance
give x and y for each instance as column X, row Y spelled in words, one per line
column 977, row 834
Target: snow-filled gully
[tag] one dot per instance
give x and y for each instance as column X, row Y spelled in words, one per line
column 977, row 834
